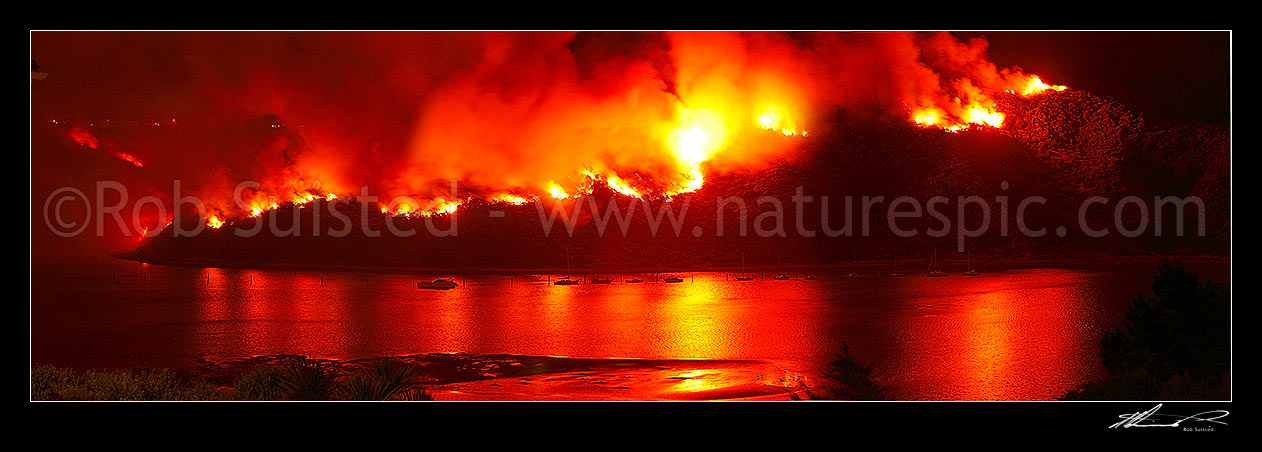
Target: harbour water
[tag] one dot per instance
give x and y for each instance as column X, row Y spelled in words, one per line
column 1009, row 334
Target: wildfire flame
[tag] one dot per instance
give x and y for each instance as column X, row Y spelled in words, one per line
column 985, row 116
column 86, row 139
column 772, row 120
column 509, row 198
column 695, row 138
column 437, row 206
column 698, row 135
column 979, row 110
column 1036, row 86
column 729, row 100
column 618, row 185
column 445, row 206
column 129, row 159
column 556, row 191
column 615, row 183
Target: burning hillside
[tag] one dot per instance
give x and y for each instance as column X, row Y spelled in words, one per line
column 303, row 120
column 838, row 160
column 514, row 116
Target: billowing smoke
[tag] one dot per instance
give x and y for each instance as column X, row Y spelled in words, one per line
column 510, row 115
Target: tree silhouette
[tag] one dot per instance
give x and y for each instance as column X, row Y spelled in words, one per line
column 853, row 379
column 1175, row 344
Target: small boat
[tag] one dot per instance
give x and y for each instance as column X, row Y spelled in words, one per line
column 599, row 281
column 809, row 277
column 936, row 273
column 673, row 279
column 895, row 273
column 853, row 273
column 744, row 276
column 970, row 271
column 781, row 276
column 566, row 280
column 438, row 284
column 633, row 281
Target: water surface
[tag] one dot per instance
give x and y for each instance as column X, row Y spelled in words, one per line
column 1017, row 334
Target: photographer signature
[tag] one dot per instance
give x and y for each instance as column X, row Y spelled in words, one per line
column 1151, row 418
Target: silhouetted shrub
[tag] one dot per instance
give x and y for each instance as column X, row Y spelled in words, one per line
column 261, row 383
column 1175, row 345
column 306, row 379
column 853, row 380
column 53, row 383
column 385, row 379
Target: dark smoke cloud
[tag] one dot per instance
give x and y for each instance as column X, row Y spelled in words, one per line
column 404, row 112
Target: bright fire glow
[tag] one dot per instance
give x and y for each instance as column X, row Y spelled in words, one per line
column 129, row 159
column 772, row 120
column 693, row 145
column 727, row 93
column 214, row 222
column 305, row 198
column 444, row 206
column 510, row 199
column 617, row 184
column 980, row 115
column 85, row 138
column 926, row 117
column 258, row 202
column 978, row 109
column 556, row 191
column 698, row 135
column 437, row 206
column 1036, row 86
column 973, row 115
column 614, row 182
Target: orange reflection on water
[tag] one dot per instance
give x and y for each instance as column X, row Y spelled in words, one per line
column 988, row 335
column 692, row 319
column 696, row 381
column 1014, row 334
column 996, row 338
column 455, row 316
column 558, row 306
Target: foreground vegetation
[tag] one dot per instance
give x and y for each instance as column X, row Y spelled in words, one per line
column 297, row 379
column 1175, row 345
column 55, row 383
column 845, row 379
column 851, row 379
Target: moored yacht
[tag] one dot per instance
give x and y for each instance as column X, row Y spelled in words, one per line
column 439, row 284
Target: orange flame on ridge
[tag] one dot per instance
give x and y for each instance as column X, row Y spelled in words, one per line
column 976, row 112
column 724, row 96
